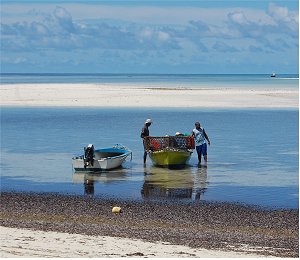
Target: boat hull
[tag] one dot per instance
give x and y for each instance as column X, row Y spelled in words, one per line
column 105, row 159
column 170, row 158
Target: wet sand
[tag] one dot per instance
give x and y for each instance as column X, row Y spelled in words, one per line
column 216, row 227
column 114, row 95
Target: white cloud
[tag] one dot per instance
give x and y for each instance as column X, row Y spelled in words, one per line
column 59, row 31
column 284, row 18
column 238, row 17
column 147, row 34
column 163, row 36
column 62, row 14
column 279, row 13
column 64, row 19
column 39, row 29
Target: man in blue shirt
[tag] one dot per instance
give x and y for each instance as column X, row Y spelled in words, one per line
column 200, row 137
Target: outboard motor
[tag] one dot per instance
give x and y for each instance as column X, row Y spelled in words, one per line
column 89, row 153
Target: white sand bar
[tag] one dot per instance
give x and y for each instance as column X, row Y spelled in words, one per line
column 27, row 243
column 114, row 95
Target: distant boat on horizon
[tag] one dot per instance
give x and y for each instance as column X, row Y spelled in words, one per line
column 273, row 75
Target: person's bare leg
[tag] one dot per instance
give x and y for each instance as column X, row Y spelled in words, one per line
column 205, row 160
column 199, row 158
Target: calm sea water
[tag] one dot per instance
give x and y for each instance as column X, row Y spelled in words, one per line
column 195, row 80
column 253, row 158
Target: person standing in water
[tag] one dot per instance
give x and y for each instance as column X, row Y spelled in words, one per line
column 200, row 137
column 144, row 133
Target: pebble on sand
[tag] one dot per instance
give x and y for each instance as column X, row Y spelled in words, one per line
column 116, row 210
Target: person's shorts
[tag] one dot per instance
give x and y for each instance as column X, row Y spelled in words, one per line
column 202, row 149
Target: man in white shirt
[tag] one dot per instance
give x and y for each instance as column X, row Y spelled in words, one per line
column 200, row 137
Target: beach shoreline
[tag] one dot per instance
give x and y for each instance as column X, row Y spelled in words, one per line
column 199, row 229
column 133, row 96
column 36, row 243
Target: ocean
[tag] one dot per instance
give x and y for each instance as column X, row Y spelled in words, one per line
column 253, row 157
column 195, row 80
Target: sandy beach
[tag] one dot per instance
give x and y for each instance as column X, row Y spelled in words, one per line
column 52, row 225
column 113, row 95
column 34, row 243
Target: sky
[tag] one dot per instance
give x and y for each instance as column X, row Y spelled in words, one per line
column 144, row 36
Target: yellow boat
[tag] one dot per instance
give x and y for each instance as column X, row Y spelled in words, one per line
column 168, row 157
column 169, row 150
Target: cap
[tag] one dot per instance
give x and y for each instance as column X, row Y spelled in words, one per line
column 148, row 121
column 178, row 133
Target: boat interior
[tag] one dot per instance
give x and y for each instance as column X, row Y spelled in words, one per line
column 101, row 155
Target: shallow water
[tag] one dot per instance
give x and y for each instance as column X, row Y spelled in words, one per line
column 253, row 157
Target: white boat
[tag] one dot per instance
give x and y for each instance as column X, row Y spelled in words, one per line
column 101, row 159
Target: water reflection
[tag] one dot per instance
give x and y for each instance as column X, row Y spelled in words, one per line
column 186, row 183
column 90, row 178
column 89, row 188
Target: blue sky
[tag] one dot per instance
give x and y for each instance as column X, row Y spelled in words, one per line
column 150, row 36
